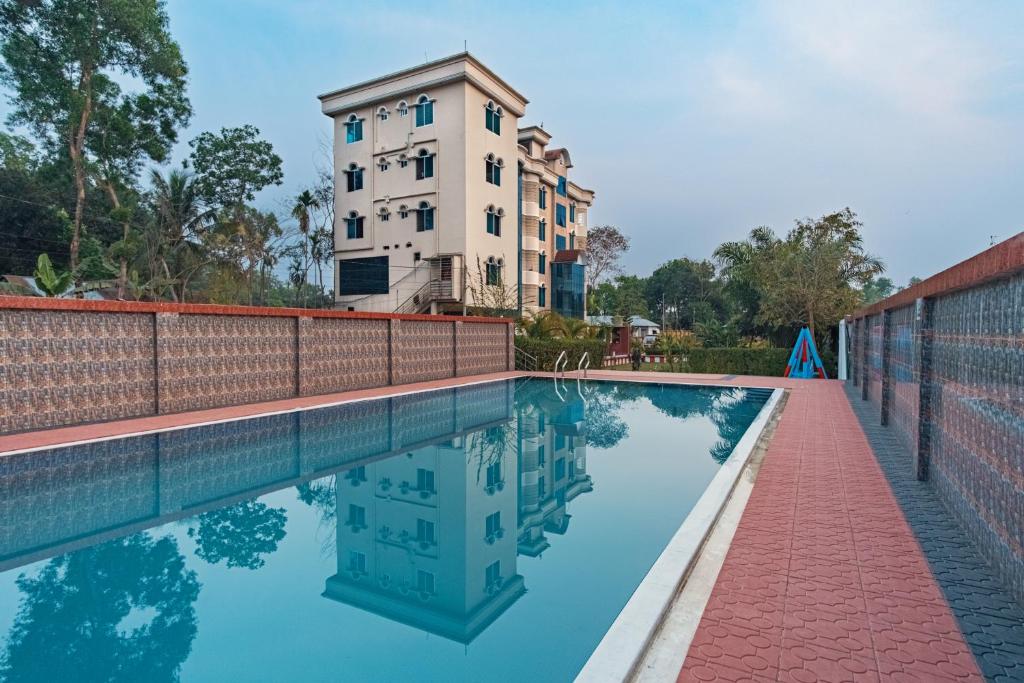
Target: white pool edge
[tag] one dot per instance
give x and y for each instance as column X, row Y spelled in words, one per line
column 623, row 646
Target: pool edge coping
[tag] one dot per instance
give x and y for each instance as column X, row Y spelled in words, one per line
column 625, row 643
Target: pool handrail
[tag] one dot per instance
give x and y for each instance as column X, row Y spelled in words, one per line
column 583, row 368
column 563, row 355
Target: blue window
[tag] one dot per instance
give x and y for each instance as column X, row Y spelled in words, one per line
column 542, row 264
column 424, row 165
column 494, row 221
column 542, row 300
column 356, row 562
column 356, row 516
column 424, row 217
column 363, row 275
column 572, row 213
column 425, row 531
column 353, row 129
column 559, row 469
column 424, row 582
column 493, row 272
column 493, row 524
column 562, row 186
column 492, row 575
column 425, row 480
column 492, row 169
column 424, row 111
column 572, row 240
column 560, row 214
column 560, row 242
column 543, row 198
column 354, row 226
column 492, row 118
column 353, row 178
column 494, row 473
column 542, row 230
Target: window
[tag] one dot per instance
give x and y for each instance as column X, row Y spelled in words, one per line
column 354, row 226
column 572, row 212
column 542, row 264
column 424, row 217
column 493, row 271
column 493, row 524
column 560, row 214
column 356, row 562
column 382, row 114
column 572, row 240
column 494, row 473
column 416, row 257
column 383, row 164
column 492, row 169
column 425, row 480
column 424, row 111
column 562, row 189
column 559, row 442
column 492, row 118
column 424, row 582
column 492, row 575
column 353, row 129
column 542, row 230
column 559, row 242
column 494, row 217
column 356, row 516
column 425, row 531
column 540, row 448
column 403, row 161
column 353, row 178
column 403, row 109
column 559, row 469
column 541, row 489
column 368, row 275
column 542, row 296
column 424, row 165
column 543, row 197
column 384, row 214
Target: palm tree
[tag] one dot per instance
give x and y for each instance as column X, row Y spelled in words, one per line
column 181, row 217
column 300, row 211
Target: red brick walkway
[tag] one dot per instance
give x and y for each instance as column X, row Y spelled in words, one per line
column 824, row 580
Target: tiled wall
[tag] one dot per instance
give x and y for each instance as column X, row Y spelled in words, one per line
column 72, row 363
column 968, row 402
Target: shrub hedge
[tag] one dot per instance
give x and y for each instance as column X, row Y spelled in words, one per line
column 736, row 361
column 546, row 351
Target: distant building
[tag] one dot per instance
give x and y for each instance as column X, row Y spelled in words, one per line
column 641, row 328
column 439, row 194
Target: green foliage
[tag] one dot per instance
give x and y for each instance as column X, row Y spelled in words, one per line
column 765, row 362
column 546, row 351
column 877, row 289
column 715, row 333
column 53, row 283
column 684, row 291
column 625, row 296
column 240, row 534
column 232, row 166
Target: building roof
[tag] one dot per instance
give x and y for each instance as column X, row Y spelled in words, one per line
column 27, row 282
column 634, row 321
column 567, row 256
column 559, row 152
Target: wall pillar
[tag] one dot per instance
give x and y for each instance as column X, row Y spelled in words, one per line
column 923, row 331
column 865, row 350
column 456, row 328
column 886, row 366
column 392, row 330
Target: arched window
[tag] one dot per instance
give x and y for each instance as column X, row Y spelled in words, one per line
column 492, row 117
column 542, row 263
column 572, row 212
column 542, row 230
column 403, row 109
column 403, row 211
column 354, row 226
column 353, row 129
column 424, row 165
column 494, row 270
column 383, row 164
column 424, row 111
column 403, row 161
column 494, row 217
column 492, row 169
column 382, row 113
column 424, row 217
column 384, row 214
column 353, row 178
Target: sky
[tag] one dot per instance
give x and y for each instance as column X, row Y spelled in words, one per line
column 694, row 122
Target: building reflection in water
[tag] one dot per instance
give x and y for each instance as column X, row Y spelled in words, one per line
column 431, row 538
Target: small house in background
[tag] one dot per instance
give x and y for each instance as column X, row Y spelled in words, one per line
column 25, row 285
column 641, row 329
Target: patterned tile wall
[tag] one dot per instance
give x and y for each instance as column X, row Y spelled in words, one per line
column 480, row 348
column 422, row 350
column 332, row 437
column 416, row 418
column 339, row 354
column 874, row 342
column 977, row 421
column 905, row 376
column 209, row 361
column 65, row 367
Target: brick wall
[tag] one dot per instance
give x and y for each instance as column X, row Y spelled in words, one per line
column 953, row 392
column 66, row 362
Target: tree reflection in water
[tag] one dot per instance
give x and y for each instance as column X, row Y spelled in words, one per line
column 119, row 611
column 241, row 533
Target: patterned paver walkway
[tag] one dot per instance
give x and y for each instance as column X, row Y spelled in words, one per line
column 824, row 580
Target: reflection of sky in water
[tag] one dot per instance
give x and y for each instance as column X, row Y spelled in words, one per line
column 587, row 494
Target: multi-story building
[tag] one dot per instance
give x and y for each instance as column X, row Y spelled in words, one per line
column 442, row 202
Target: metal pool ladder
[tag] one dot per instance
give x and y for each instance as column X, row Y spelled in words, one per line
column 580, row 367
column 563, row 360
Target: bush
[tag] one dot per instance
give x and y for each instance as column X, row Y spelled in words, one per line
column 766, row 362
column 546, row 351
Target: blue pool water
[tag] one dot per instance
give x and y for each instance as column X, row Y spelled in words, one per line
column 489, row 532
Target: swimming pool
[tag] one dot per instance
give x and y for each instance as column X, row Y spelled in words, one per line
column 486, row 532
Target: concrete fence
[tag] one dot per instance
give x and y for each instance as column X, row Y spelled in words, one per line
column 943, row 364
column 65, row 362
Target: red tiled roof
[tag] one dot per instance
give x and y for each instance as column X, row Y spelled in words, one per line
column 567, row 255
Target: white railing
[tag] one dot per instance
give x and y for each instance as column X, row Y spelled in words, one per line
column 580, row 367
column 563, row 356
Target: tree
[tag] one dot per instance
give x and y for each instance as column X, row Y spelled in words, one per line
column 684, row 291
column 64, row 59
column 492, row 299
column 179, row 222
column 605, row 246
column 232, row 166
column 305, row 202
column 739, row 262
column 49, row 280
column 241, row 534
column 877, row 289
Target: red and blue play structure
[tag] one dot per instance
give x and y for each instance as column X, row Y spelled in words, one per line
column 804, row 362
